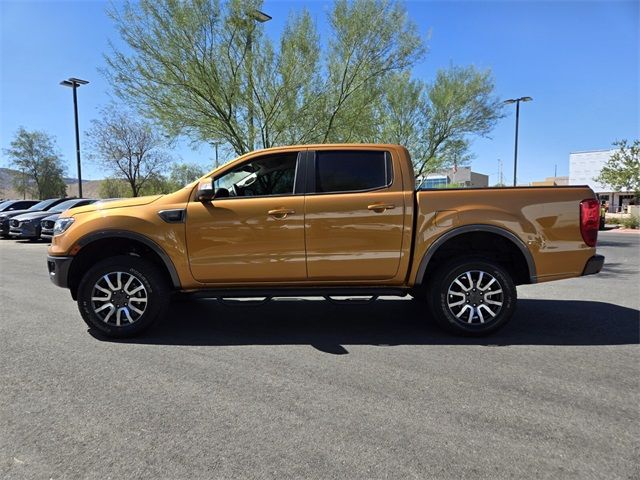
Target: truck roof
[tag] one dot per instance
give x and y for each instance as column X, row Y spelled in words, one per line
column 330, row 145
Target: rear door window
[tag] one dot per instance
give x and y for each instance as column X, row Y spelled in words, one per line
column 352, row 170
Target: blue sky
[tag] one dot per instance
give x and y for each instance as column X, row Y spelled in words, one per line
column 579, row 60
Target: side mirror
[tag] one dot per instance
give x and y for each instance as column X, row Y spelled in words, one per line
column 205, row 191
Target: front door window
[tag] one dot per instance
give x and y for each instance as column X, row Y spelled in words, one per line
column 272, row 175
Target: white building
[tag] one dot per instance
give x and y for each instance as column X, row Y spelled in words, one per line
column 585, row 166
column 462, row 177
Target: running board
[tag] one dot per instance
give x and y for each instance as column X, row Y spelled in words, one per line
column 352, row 301
column 325, row 292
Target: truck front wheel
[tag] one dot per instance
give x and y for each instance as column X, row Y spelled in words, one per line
column 472, row 296
column 122, row 295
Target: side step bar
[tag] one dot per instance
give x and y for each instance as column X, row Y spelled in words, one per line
column 268, row 293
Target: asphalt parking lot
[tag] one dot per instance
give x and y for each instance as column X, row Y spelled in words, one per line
column 308, row 389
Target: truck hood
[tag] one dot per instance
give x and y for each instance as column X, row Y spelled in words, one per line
column 116, row 203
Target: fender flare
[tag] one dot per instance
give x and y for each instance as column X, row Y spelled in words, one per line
column 442, row 239
column 157, row 249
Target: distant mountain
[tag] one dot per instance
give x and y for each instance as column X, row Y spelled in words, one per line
column 90, row 188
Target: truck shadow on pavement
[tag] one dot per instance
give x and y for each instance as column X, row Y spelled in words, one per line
column 329, row 327
column 618, row 270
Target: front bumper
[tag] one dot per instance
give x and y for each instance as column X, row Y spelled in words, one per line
column 59, row 270
column 593, row 265
column 24, row 231
column 46, row 229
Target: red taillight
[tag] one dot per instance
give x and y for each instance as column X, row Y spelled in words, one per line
column 589, row 221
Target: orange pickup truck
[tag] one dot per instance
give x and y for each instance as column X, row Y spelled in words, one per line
column 328, row 220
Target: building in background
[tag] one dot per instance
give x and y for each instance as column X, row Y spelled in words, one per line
column 585, row 166
column 460, row 177
column 551, row 182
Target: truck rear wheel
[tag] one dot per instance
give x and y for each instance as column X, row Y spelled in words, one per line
column 472, row 296
column 123, row 295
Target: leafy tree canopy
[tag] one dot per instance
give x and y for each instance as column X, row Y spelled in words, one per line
column 130, row 148
column 622, row 170
column 42, row 172
column 205, row 69
column 182, row 174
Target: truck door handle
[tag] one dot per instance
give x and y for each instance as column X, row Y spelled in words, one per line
column 281, row 213
column 381, row 207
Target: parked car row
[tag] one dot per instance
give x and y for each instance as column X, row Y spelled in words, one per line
column 31, row 219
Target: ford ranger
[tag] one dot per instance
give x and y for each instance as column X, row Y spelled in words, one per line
column 328, row 220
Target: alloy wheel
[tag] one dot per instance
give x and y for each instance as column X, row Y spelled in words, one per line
column 475, row 297
column 119, row 298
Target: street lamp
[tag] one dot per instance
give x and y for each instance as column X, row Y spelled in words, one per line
column 259, row 17
column 515, row 154
column 74, row 83
column 215, row 146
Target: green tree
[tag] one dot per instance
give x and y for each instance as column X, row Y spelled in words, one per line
column 112, row 187
column 131, row 149
column 42, row 172
column 157, row 185
column 622, row 170
column 182, row 174
column 205, row 69
column 23, row 185
column 435, row 121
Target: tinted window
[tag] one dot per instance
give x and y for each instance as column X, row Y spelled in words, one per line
column 45, row 204
column 21, row 205
column 272, row 175
column 69, row 204
column 15, row 205
column 345, row 171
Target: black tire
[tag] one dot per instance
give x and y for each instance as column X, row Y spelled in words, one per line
column 479, row 314
column 145, row 273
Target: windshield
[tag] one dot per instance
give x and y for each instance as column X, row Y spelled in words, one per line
column 3, row 204
column 43, row 205
column 66, row 205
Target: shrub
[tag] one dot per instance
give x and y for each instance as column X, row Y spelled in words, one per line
column 631, row 221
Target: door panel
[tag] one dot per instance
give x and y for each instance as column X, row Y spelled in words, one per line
column 247, row 239
column 348, row 240
column 253, row 230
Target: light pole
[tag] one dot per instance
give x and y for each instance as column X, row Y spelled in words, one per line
column 215, row 146
column 515, row 154
column 260, row 17
column 74, row 83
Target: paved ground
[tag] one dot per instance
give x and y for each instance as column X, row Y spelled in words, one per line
column 306, row 389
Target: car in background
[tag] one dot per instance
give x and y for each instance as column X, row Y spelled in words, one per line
column 46, row 226
column 28, row 225
column 11, row 205
column 42, row 206
column 47, row 223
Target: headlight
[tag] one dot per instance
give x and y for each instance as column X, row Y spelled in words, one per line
column 61, row 225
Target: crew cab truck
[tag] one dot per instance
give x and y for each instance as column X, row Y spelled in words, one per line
column 330, row 220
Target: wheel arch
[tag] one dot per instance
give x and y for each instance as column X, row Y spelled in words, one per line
column 467, row 232
column 102, row 244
